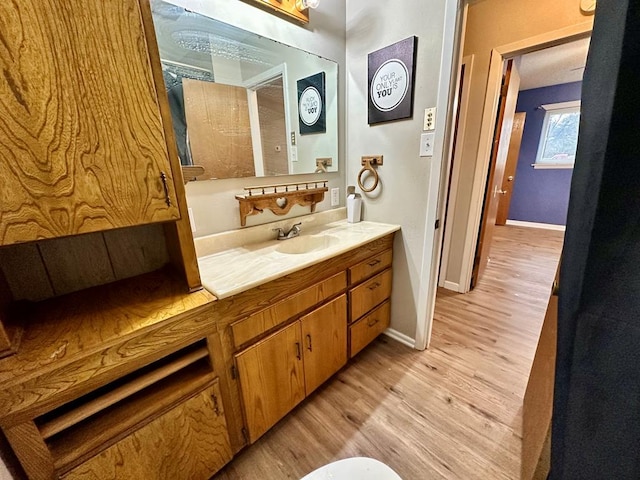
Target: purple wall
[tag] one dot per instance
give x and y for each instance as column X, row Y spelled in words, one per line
column 540, row 196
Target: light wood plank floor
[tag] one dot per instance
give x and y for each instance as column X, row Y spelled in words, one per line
column 453, row 411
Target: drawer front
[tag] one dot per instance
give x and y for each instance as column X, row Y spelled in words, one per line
column 369, row 267
column 189, row 441
column 248, row 328
column 369, row 327
column 369, row 294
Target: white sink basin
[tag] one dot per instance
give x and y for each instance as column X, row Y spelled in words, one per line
column 306, row 244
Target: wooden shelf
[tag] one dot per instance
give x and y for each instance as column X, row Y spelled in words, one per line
column 68, row 419
column 72, row 343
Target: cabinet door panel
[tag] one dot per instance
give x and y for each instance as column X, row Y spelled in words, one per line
column 271, row 379
column 189, row 441
column 324, row 334
column 82, row 144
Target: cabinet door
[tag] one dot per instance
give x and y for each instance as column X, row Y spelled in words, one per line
column 82, row 145
column 271, row 379
column 189, row 441
column 324, row 335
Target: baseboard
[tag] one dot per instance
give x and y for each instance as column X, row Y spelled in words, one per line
column 451, row 286
column 546, row 226
column 400, row 337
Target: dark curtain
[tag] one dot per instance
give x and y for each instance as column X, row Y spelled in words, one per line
column 596, row 419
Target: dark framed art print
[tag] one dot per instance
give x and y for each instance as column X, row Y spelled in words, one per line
column 311, row 104
column 391, row 73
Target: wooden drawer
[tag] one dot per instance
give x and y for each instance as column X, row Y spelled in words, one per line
column 369, row 327
column 249, row 328
column 189, row 441
column 371, row 266
column 369, row 294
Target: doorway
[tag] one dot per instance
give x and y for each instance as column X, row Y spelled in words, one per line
column 528, row 183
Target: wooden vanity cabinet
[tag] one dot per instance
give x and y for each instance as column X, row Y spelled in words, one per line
column 278, row 372
column 84, row 146
column 369, row 304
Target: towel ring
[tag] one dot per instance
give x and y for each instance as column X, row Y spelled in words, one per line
column 368, row 168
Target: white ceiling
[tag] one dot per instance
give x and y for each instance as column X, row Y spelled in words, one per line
column 553, row 66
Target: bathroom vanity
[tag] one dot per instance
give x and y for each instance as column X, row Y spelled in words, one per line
column 114, row 361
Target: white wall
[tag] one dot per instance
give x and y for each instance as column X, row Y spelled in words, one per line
column 213, row 202
column 409, row 191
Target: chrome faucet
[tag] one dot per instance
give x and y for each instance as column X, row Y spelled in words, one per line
column 294, row 231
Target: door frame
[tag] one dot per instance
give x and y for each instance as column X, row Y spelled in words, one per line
column 490, row 110
column 454, row 163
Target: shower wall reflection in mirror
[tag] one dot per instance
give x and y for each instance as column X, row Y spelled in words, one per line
column 235, row 101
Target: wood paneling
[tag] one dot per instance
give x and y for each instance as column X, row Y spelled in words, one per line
column 220, row 143
column 362, row 332
column 538, row 398
column 189, row 441
column 134, row 251
column 454, row 410
column 369, row 294
column 324, row 336
column 261, row 322
column 271, row 379
column 87, row 158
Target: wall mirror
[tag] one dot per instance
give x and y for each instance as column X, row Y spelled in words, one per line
column 244, row 105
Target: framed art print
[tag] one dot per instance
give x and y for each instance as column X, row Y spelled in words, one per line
column 391, row 73
column 311, row 104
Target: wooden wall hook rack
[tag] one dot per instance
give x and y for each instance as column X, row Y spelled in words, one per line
column 280, row 198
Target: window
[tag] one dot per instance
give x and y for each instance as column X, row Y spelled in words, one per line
column 559, row 137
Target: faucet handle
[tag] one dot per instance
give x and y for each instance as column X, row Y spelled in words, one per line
column 296, row 226
column 280, row 231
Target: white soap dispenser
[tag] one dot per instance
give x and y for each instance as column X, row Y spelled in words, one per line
column 354, row 205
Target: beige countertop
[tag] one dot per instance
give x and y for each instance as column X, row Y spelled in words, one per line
column 234, row 270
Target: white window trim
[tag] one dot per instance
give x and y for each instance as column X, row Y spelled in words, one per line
column 568, row 107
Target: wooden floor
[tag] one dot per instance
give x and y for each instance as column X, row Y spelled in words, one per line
column 452, row 411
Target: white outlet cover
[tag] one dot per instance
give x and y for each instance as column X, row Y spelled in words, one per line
column 294, row 154
column 335, row 197
column 426, row 144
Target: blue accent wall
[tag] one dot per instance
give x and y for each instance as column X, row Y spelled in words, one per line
column 540, row 196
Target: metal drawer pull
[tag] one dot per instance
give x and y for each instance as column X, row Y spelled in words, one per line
column 374, row 263
column 372, row 322
column 309, row 343
column 298, row 352
column 374, row 286
column 163, row 177
column 216, row 408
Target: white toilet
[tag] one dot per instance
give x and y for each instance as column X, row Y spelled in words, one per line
column 356, row 468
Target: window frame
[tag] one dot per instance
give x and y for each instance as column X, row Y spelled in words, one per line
column 551, row 109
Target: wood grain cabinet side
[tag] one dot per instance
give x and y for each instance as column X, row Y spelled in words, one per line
column 278, row 372
column 190, row 441
column 83, row 146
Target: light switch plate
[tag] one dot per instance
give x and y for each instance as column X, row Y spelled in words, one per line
column 335, row 197
column 426, row 144
column 429, row 119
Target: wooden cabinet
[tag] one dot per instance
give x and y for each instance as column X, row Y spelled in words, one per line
column 278, row 372
column 83, row 144
column 189, row 441
column 369, row 305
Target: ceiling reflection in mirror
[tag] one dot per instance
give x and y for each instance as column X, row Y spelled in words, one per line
column 243, row 105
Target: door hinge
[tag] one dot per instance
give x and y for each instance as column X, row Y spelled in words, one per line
column 234, row 372
column 437, row 224
column 167, row 199
column 245, row 435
